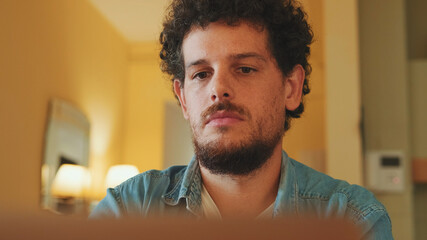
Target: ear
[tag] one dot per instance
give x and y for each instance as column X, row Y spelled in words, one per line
column 179, row 92
column 294, row 83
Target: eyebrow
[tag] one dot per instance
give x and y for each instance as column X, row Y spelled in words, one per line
column 233, row 56
column 197, row 62
column 248, row 55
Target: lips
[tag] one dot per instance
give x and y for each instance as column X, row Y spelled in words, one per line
column 223, row 118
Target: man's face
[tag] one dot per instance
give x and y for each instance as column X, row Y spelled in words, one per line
column 234, row 94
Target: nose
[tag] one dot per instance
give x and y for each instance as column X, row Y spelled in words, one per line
column 222, row 87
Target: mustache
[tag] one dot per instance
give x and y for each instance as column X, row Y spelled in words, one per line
column 225, row 106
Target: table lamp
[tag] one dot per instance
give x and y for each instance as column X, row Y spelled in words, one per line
column 70, row 184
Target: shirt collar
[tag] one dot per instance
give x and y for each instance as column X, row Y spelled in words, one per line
column 188, row 188
column 286, row 200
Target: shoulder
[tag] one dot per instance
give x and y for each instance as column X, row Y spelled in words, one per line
column 137, row 194
column 314, row 184
column 152, row 183
column 337, row 197
column 152, row 178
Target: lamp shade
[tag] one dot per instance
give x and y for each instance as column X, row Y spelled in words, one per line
column 71, row 181
column 120, row 173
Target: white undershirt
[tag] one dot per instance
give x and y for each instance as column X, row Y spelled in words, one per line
column 211, row 211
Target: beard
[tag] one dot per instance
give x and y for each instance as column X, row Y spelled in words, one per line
column 242, row 158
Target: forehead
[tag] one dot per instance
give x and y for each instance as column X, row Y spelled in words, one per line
column 219, row 39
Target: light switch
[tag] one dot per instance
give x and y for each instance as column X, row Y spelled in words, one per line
column 385, row 171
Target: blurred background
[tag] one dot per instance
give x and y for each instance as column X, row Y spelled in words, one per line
column 91, row 67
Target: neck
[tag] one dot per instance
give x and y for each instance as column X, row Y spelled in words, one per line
column 245, row 196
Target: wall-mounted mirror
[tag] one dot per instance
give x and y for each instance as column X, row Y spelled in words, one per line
column 64, row 174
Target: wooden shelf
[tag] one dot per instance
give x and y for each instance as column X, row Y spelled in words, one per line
column 419, row 170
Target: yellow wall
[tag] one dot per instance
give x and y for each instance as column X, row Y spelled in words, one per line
column 327, row 137
column 305, row 141
column 148, row 90
column 59, row 49
column 343, row 111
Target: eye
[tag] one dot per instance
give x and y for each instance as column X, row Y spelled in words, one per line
column 246, row 70
column 201, row 75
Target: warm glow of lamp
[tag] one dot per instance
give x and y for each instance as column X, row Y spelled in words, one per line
column 120, row 173
column 71, row 181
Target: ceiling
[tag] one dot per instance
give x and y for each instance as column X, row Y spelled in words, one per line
column 136, row 20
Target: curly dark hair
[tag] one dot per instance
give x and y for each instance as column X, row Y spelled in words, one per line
column 289, row 34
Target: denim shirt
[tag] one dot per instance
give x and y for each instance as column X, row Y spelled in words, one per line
column 176, row 191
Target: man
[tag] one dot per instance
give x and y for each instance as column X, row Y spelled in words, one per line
column 239, row 69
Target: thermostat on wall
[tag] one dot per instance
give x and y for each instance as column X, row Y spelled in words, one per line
column 385, row 171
